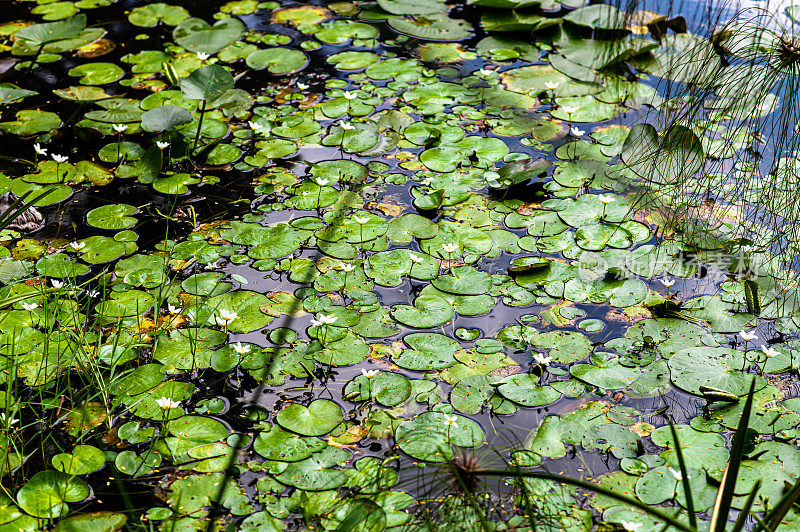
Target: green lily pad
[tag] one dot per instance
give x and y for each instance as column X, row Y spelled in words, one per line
column 197, row 429
column 47, row 493
column 386, row 388
column 317, row 419
column 207, row 83
column 95, row 521
column 278, row 60
column 464, row 280
column 83, row 459
column 165, row 118
column 432, row 27
column 197, row 36
column 428, row 311
column 431, row 436
column 151, row 15
column 316, row 472
column 714, row 367
column 527, row 391
column 30, row 122
column 97, row 73
column 427, row 351
column 278, row 444
column 187, row 348
column 115, row 216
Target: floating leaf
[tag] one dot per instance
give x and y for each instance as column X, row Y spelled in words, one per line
column 317, row 419
column 197, row 36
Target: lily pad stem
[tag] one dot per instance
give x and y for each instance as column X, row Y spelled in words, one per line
column 35, row 57
column 199, row 125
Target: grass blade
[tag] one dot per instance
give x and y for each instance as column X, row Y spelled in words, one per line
column 20, row 205
column 774, row 517
column 761, row 524
column 745, row 512
column 363, row 513
column 687, row 489
column 651, row 510
column 722, row 506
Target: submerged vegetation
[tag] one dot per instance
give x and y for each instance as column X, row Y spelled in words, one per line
column 494, row 265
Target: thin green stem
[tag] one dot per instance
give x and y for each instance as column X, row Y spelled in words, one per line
column 199, row 125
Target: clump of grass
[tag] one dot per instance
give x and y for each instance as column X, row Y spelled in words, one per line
column 731, row 102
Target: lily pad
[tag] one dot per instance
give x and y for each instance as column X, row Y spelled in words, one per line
column 317, row 419
column 278, row 60
column 197, row 36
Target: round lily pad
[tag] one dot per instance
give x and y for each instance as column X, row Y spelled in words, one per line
column 97, row 73
column 317, row 419
column 115, row 216
column 277, row 60
column 527, row 391
column 47, row 493
column 427, row 351
column 83, row 459
column 431, row 436
column 196, row 35
column 277, row 444
column 386, row 388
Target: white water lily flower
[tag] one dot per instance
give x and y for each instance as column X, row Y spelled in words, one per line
column 451, row 420
column 450, row 248
column 543, row 359
column 59, row 158
column 415, row 258
column 486, row 72
column 361, row 219
column 748, row 336
column 203, row 56
column 327, row 319
column 29, row 306
column 166, row 403
column 605, row 199
column 240, row 348
column 119, row 128
column 350, row 95
column 302, row 86
column 224, row 317
column 56, row 283
column 667, row 281
column 161, row 145
column 347, row 126
column 255, row 126
column 93, row 293
column 577, row 132
column 348, row 267
column 369, row 373
column 322, row 181
column 769, row 352
column 569, row 109
column 77, row 246
column 676, row 474
column 38, row 149
column 173, row 310
column 552, row 85
column 3, row 419
column 630, row 526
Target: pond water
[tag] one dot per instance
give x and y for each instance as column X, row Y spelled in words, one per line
column 330, row 265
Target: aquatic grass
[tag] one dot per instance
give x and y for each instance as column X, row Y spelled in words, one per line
column 720, row 512
column 734, row 90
